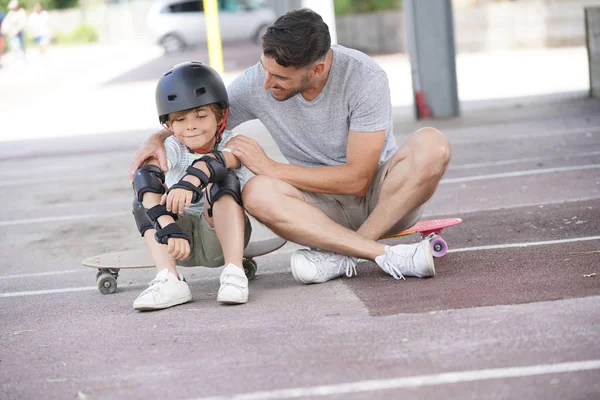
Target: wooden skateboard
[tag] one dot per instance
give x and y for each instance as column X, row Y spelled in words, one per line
column 109, row 264
column 431, row 230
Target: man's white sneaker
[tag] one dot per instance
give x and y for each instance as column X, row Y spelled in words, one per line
column 164, row 291
column 408, row 260
column 315, row 266
column 234, row 286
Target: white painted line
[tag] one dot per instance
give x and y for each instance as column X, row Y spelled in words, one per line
column 36, row 274
column 415, row 381
column 520, row 173
column 62, row 218
column 112, row 178
column 87, row 288
column 49, row 291
column 513, row 245
column 464, row 249
column 520, row 161
column 532, row 135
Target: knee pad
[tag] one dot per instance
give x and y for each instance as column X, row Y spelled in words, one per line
column 149, row 178
column 229, row 185
column 142, row 220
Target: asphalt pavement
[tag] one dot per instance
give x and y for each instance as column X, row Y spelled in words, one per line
column 513, row 311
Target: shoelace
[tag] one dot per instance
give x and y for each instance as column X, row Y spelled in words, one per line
column 347, row 262
column 395, row 270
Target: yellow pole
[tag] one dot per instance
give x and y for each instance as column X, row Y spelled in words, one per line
column 213, row 35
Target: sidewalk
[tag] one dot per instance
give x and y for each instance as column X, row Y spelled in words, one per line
column 65, row 95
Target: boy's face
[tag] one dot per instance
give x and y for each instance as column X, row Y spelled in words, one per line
column 195, row 128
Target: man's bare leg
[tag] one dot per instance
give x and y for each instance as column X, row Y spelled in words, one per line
column 413, row 177
column 418, row 167
column 281, row 207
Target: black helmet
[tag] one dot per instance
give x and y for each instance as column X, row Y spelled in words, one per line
column 189, row 85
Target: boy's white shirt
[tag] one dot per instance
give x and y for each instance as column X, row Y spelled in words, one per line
column 179, row 159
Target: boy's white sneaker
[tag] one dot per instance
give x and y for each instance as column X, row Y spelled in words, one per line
column 315, row 266
column 234, row 286
column 163, row 292
column 408, row 260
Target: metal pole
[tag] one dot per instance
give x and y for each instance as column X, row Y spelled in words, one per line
column 213, row 35
column 430, row 31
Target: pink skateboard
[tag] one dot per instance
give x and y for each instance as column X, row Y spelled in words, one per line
column 431, row 230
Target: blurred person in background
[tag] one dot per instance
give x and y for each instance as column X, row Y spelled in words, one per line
column 13, row 27
column 40, row 30
column 1, row 37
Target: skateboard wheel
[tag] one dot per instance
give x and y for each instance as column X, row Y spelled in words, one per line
column 107, row 284
column 109, row 271
column 249, row 268
column 439, row 247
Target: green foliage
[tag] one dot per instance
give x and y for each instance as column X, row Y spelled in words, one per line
column 47, row 4
column 83, row 34
column 62, row 4
column 364, row 6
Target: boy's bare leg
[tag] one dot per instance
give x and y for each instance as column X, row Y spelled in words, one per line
column 160, row 255
column 229, row 223
column 159, row 252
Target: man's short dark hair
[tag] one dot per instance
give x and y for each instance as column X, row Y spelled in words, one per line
column 297, row 38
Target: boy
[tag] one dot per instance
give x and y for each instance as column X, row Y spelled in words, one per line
column 199, row 219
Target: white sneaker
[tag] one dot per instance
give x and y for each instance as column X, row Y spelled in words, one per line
column 163, row 292
column 234, row 286
column 408, row 260
column 315, row 266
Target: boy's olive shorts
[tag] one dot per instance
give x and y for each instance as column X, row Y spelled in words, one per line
column 205, row 247
column 352, row 211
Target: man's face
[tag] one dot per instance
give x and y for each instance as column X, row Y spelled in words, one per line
column 284, row 82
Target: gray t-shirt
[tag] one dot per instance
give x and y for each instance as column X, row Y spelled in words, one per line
column 179, row 158
column 315, row 133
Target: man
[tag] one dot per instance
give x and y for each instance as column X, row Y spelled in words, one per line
column 347, row 184
column 1, row 37
column 13, row 26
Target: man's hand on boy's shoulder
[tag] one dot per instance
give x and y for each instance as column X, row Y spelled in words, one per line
column 251, row 154
column 152, row 147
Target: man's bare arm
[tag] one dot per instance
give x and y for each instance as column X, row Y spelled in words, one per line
column 354, row 177
column 152, row 147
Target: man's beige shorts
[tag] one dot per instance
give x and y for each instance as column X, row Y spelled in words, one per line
column 352, row 211
column 205, row 247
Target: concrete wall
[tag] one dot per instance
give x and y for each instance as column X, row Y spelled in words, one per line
column 115, row 23
column 484, row 26
column 593, row 46
column 380, row 32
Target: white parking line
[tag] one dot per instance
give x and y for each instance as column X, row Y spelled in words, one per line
column 36, row 274
column 281, row 251
column 588, row 131
column 415, row 381
column 499, row 163
column 519, row 173
column 62, row 218
column 49, row 291
column 527, row 244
